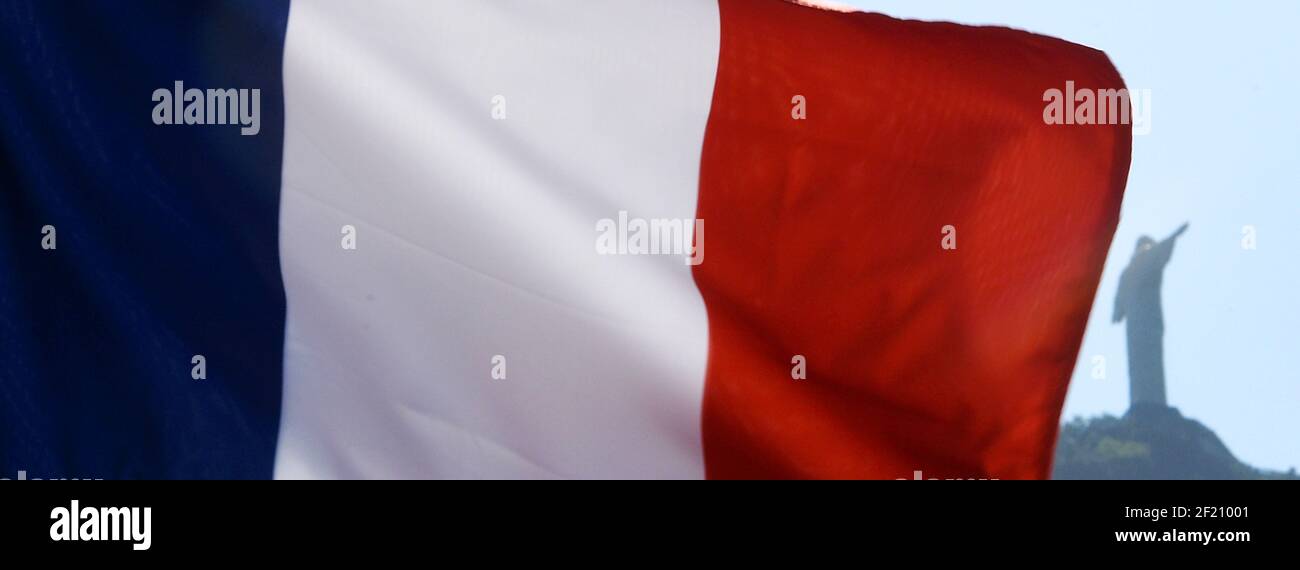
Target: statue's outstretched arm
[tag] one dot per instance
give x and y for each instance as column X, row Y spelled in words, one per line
column 1179, row 232
column 1165, row 249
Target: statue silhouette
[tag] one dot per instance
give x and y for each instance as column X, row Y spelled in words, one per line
column 1138, row 301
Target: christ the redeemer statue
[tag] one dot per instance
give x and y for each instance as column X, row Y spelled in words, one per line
column 1138, row 301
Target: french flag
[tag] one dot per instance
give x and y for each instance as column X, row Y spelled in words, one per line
column 539, row 239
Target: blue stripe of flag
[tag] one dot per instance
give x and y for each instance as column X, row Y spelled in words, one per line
column 167, row 242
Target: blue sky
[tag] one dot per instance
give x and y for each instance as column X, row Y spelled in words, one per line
column 1223, row 153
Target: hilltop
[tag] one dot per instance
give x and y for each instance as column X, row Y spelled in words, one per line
column 1148, row 442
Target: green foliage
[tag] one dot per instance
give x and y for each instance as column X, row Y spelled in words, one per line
column 1148, row 442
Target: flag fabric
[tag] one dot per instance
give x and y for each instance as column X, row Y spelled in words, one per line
column 428, row 257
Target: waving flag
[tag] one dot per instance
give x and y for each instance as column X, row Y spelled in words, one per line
column 722, row 238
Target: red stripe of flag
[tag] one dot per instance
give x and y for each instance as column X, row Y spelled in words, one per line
column 824, row 241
